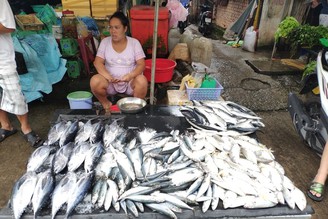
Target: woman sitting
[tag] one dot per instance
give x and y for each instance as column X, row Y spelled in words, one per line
column 120, row 63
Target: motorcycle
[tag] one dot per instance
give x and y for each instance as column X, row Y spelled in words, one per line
column 205, row 19
column 310, row 117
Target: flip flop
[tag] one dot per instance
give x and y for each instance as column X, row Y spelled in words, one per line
column 32, row 138
column 318, row 188
column 6, row 133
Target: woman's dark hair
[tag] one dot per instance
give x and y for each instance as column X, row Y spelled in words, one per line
column 121, row 16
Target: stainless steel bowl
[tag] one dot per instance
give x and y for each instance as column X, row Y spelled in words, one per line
column 131, row 104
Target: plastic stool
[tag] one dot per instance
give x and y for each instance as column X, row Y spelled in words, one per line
column 86, row 54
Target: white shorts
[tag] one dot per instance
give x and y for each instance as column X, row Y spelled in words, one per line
column 12, row 98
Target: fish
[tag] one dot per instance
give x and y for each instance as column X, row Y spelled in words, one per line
column 62, row 157
column 84, row 132
column 78, row 192
column 69, row 134
column 97, row 131
column 162, row 208
column 78, row 156
column 105, row 164
column 206, row 204
column 96, row 190
column 61, row 192
column 38, row 157
column 112, row 196
column 206, row 183
column 22, row 193
column 172, row 199
column 195, row 185
column 123, row 161
column 146, row 198
column 137, row 161
column 42, row 190
column 92, row 156
column 111, row 132
column 102, row 193
column 56, row 132
column 132, row 208
column 299, row 197
column 139, row 190
column 140, row 206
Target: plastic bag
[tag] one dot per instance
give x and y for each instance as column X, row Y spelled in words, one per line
column 82, row 29
column 178, row 12
column 250, row 40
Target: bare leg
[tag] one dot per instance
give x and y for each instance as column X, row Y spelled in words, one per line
column 99, row 86
column 323, row 169
column 4, row 120
column 140, row 86
column 25, row 126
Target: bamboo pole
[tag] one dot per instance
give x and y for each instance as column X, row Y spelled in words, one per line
column 153, row 65
column 256, row 23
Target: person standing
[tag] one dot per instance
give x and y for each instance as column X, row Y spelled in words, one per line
column 317, row 187
column 12, row 99
column 314, row 12
column 323, row 18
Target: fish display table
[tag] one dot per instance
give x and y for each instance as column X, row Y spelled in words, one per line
column 276, row 212
column 161, row 118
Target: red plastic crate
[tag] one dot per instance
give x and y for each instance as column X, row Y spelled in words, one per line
column 142, row 27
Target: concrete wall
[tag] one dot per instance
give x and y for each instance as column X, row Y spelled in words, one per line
column 272, row 14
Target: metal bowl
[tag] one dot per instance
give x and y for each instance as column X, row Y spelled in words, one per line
column 131, row 104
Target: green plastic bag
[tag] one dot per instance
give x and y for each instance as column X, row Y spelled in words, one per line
column 208, row 82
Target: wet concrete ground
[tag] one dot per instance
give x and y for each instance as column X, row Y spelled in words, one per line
column 266, row 95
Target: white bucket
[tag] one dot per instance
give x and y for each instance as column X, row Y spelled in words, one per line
column 80, row 100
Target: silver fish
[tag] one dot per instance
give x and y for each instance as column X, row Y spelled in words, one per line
column 42, row 190
column 56, row 132
column 83, row 134
column 102, row 194
column 132, row 208
column 93, row 156
column 162, row 208
column 69, row 133
column 97, row 132
column 79, row 191
column 22, row 193
column 123, row 161
column 62, row 191
column 96, row 190
column 137, row 160
column 62, row 157
column 78, row 156
column 173, row 200
column 38, row 157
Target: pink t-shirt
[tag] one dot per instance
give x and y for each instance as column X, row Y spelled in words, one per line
column 120, row 64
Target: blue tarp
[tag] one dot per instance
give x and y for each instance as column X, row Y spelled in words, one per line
column 44, row 64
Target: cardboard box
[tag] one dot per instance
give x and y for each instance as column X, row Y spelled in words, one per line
column 80, row 7
column 29, row 22
column 103, row 8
